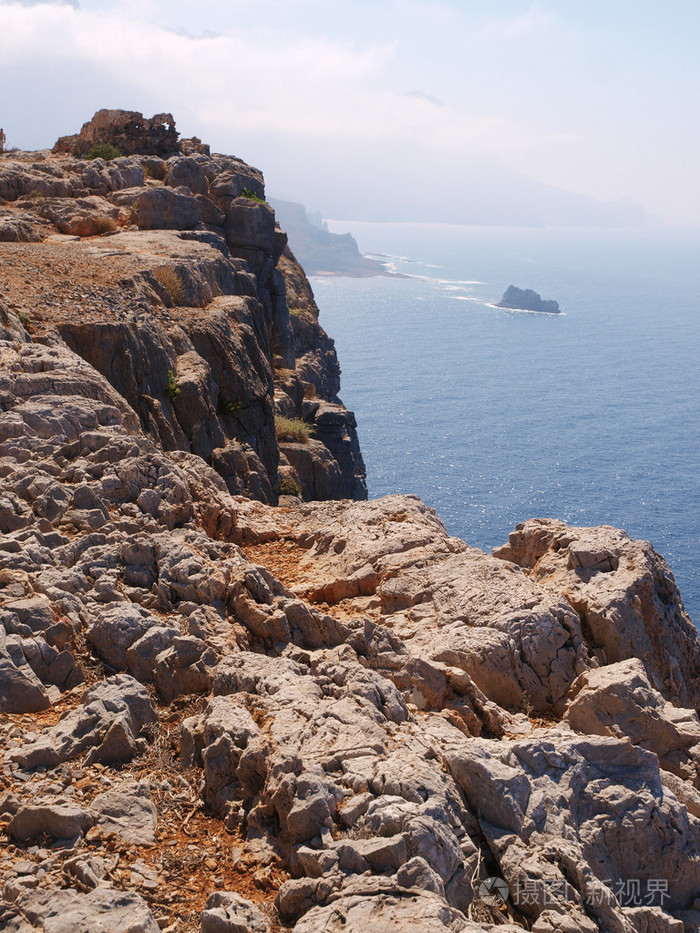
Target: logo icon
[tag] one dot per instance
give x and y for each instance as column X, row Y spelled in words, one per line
column 494, row 892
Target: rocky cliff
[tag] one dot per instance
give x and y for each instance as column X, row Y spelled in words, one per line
column 162, row 270
column 221, row 714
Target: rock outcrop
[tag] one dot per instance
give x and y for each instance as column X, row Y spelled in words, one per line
column 222, row 714
column 173, row 290
column 525, row 299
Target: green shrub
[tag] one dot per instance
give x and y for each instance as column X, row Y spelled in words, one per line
column 230, row 408
column 252, row 196
column 172, row 390
column 291, row 429
column 288, row 487
column 104, row 151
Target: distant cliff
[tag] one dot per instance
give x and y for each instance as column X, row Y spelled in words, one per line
column 319, row 251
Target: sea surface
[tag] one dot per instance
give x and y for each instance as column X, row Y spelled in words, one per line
column 591, row 416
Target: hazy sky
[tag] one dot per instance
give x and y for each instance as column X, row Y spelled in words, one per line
column 369, row 96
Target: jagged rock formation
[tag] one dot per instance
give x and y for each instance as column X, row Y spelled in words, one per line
column 131, row 134
column 525, row 299
column 219, row 714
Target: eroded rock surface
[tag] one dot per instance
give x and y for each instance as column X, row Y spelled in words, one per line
column 625, row 595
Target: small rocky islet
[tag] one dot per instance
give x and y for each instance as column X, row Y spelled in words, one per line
column 525, row 299
column 234, row 694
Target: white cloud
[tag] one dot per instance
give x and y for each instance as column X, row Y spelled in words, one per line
column 330, row 85
column 256, row 78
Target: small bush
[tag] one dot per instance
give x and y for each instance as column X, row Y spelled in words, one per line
column 104, row 224
column 172, row 390
column 291, row 429
column 288, row 487
column 230, row 408
column 171, row 280
column 252, row 196
column 104, row 151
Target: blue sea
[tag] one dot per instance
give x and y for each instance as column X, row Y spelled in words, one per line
column 492, row 417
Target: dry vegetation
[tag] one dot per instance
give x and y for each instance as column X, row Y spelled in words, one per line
column 291, row 429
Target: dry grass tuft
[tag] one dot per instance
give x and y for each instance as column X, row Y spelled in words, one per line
column 171, row 280
column 105, row 224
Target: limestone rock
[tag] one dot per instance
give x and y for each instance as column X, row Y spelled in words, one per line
column 16, row 227
column 108, row 722
column 417, row 912
column 21, row 691
column 129, row 811
column 216, row 740
column 115, row 629
column 126, row 130
column 83, row 217
column 417, row 873
column 226, row 912
column 361, row 696
column 160, row 208
column 60, row 820
column 315, row 467
column 99, row 911
column 625, row 594
column 448, row 603
column 589, row 799
column 619, row 700
column 185, row 667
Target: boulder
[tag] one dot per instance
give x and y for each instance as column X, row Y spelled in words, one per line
column 108, row 724
column 62, row 820
column 160, row 208
column 21, row 691
column 100, row 911
column 619, row 700
column 592, row 801
column 215, row 740
column 186, row 172
column 226, row 912
column 115, row 629
column 185, row 667
column 83, row 217
column 128, row 811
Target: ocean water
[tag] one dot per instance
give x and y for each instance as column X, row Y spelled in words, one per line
column 591, row 416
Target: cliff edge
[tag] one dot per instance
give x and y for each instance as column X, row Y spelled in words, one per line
column 162, row 269
column 220, row 714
